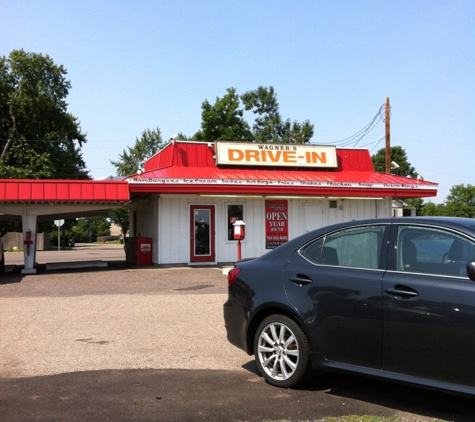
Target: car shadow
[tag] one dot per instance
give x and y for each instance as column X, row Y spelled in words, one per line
column 396, row 396
column 428, row 403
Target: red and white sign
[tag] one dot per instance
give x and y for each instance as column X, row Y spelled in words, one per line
column 280, row 155
column 277, row 223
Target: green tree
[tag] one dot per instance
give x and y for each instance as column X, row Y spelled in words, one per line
column 399, row 156
column 269, row 125
column 90, row 228
column 38, row 137
column 296, row 133
column 223, row 120
column 431, row 209
column 461, row 201
column 131, row 161
column 120, row 216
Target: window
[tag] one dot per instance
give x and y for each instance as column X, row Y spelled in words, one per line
column 433, row 251
column 359, row 247
column 313, row 250
column 235, row 212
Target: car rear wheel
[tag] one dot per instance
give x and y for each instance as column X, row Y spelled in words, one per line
column 282, row 352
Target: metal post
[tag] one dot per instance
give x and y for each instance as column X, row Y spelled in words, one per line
column 239, row 250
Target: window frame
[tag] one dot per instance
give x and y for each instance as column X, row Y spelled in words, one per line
column 228, row 228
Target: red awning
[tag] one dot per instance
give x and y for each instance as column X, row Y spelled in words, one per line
column 63, row 191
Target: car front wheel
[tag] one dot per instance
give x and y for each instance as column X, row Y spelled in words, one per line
column 282, row 352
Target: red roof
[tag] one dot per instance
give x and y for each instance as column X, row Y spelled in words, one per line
column 63, row 191
column 189, row 167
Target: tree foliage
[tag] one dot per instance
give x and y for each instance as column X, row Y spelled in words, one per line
column 39, row 138
column 399, row 156
column 120, row 217
column 431, row 209
column 89, row 229
column 224, row 120
column 131, row 161
column 461, row 201
column 269, row 125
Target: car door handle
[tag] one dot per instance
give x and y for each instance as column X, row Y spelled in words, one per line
column 301, row 279
column 402, row 291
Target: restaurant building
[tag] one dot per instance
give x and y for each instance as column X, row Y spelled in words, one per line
column 189, row 195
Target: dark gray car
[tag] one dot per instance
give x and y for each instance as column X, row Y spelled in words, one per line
column 385, row 298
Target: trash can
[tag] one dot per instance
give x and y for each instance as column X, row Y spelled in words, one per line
column 143, row 251
column 130, row 250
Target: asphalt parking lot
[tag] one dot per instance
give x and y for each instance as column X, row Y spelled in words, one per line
column 122, row 343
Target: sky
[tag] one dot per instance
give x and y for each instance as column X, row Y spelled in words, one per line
column 137, row 65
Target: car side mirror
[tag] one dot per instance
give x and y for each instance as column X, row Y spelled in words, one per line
column 471, row 270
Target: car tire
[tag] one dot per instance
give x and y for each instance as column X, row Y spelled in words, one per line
column 282, row 352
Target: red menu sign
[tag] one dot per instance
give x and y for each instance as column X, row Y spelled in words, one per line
column 277, row 223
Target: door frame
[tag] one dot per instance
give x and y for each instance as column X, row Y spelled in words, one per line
column 211, row 256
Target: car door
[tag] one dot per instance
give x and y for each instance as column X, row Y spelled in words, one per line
column 335, row 284
column 429, row 305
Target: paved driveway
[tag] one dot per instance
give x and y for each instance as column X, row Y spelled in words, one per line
column 144, row 344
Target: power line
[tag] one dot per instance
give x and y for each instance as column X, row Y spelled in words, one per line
column 354, row 139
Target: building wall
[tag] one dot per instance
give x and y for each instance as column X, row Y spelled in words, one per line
column 14, row 240
column 167, row 220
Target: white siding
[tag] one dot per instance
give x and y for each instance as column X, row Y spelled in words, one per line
column 167, row 221
column 174, row 231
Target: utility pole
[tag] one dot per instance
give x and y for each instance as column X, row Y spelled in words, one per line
column 387, row 118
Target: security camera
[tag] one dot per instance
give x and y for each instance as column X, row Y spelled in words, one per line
column 394, row 165
column 210, row 145
column 174, row 137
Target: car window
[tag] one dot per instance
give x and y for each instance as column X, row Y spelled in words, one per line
column 358, row 247
column 313, row 250
column 433, row 251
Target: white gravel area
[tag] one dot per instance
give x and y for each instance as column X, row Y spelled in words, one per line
column 51, row 335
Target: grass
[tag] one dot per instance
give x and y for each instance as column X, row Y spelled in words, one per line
column 362, row 418
column 110, row 242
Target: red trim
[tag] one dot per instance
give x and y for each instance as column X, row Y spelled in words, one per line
column 211, row 257
column 294, row 191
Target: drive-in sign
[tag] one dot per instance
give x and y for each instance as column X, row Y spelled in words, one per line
column 282, row 155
